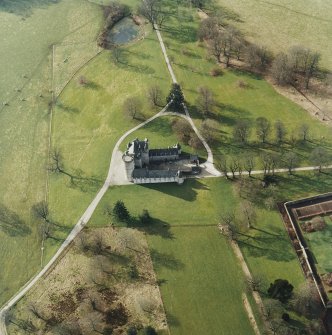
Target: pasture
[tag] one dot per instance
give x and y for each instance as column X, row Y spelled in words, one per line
column 282, row 24
column 88, row 120
column 256, row 98
column 28, row 29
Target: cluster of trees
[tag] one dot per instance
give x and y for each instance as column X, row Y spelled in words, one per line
column 226, row 42
column 152, row 11
column 264, row 129
column 270, row 162
column 305, row 301
column 119, row 214
column 299, row 63
column 185, row 133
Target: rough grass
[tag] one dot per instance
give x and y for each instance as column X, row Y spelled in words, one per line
column 67, row 298
column 28, row 28
column 282, row 24
column 192, row 66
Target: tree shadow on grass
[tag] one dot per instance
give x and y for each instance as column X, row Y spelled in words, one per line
column 165, row 260
column 184, row 34
column 274, row 247
column 11, row 224
column 172, row 320
column 24, row 7
column 66, row 108
column 124, row 63
column 187, row 191
column 156, row 227
column 248, row 74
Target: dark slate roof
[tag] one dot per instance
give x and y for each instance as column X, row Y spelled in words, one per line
column 145, row 173
column 163, row 152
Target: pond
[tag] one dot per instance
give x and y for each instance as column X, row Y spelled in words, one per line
column 123, row 32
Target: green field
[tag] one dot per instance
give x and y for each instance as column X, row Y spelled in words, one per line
column 28, row 29
column 320, row 244
column 282, row 24
column 201, row 278
column 192, row 65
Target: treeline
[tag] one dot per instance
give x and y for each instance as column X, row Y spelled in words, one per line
column 298, row 65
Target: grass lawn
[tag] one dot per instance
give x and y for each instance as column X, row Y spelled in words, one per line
column 320, row 244
column 192, row 66
column 89, row 119
column 28, row 28
column 267, row 247
column 306, row 23
column 202, row 281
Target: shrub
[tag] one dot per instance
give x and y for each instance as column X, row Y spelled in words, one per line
column 216, row 72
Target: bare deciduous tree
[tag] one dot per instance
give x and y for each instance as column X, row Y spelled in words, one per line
column 152, row 11
column 320, row 157
column 291, row 160
column 132, row 107
column 304, row 131
column 205, row 101
column 263, row 127
column 154, row 95
column 248, row 163
column 282, row 70
column 280, row 131
column 241, row 131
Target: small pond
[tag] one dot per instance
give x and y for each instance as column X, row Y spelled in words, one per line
column 123, row 32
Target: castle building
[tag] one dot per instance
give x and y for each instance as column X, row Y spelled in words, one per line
column 144, row 165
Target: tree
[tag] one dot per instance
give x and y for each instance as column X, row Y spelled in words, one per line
column 281, row 290
column 227, row 220
column 304, row 131
column 263, row 127
column 307, row 301
column 241, row 131
column 248, row 214
column 151, row 10
column 282, row 70
column 208, row 28
column 291, row 160
column 120, row 212
column 41, row 211
column 56, row 165
column 205, row 100
column 132, row 107
column 248, row 163
column 182, row 129
column 280, row 131
column 222, row 165
column 234, row 165
column 176, row 98
column 319, row 157
column 217, row 46
column 254, row 283
column 154, row 95
column 209, row 129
